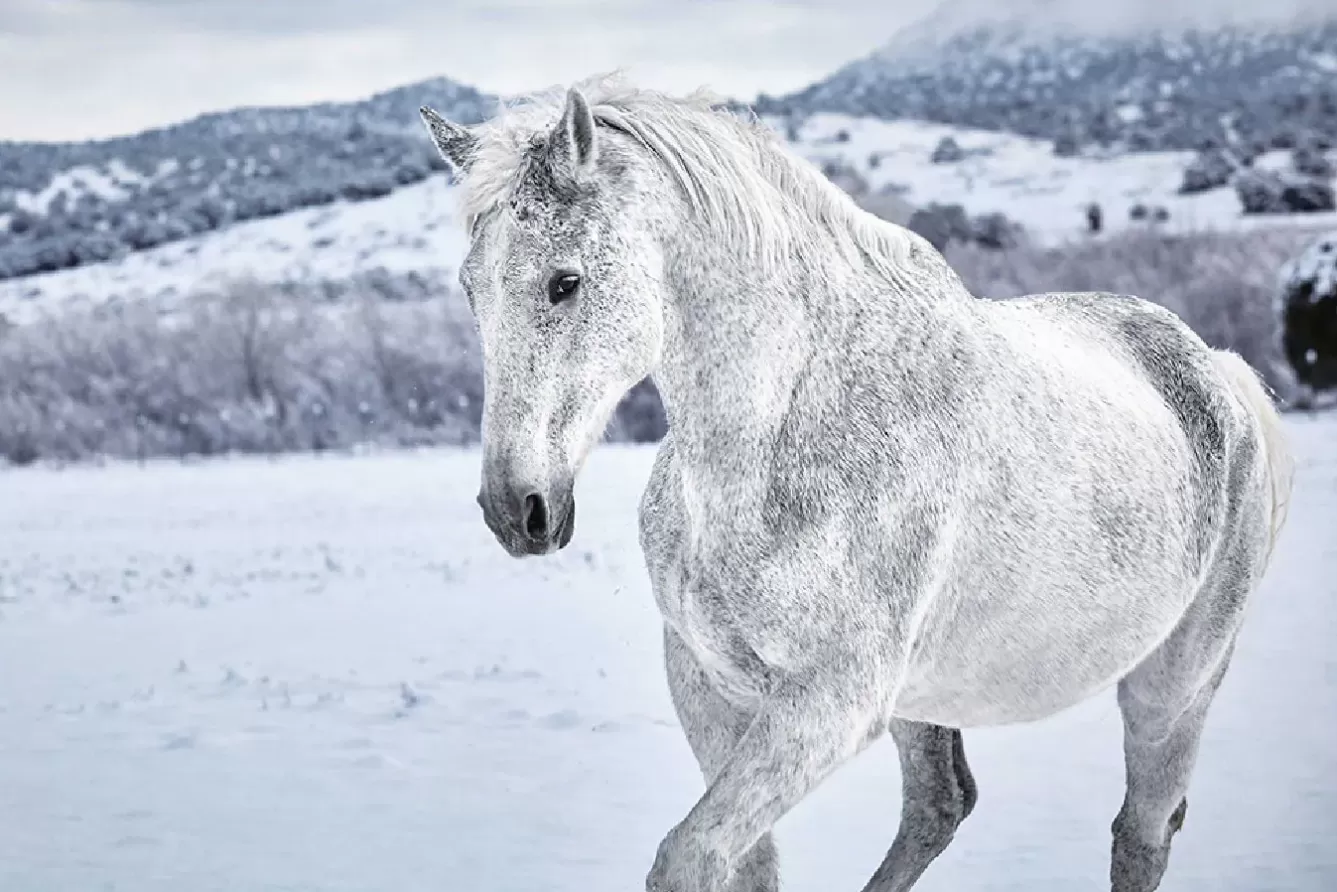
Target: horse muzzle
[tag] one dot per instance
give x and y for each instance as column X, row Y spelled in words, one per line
column 528, row 521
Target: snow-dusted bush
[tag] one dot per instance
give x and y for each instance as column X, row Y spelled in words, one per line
column 887, row 203
column 1066, row 145
column 1307, row 306
column 845, row 175
column 942, row 224
column 995, row 231
column 947, row 150
column 1312, row 162
column 1209, row 169
column 1095, row 217
column 1265, row 192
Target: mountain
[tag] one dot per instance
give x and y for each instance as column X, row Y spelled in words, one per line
column 66, row 205
column 1039, row 70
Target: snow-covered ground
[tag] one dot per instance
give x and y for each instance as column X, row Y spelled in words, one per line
column 415, row 228
column 321, row 674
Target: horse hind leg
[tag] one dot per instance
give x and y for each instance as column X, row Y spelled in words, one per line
column 938, row 793
column 1164, row 702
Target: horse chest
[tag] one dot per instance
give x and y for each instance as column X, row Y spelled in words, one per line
column 699, row 594
column 713, row 620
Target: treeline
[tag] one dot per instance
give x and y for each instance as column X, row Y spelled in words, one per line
column 261, row 369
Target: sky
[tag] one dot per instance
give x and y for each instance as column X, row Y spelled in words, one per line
column 79, row 69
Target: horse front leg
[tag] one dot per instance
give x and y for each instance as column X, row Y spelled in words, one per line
column 713, row 727
column 804, row 729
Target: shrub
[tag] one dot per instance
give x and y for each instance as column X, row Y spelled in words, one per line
column 1307, row 301
column 888, row 204
column 1311, row 162
column 844, row 175
column 1309, row 196
column 1263, row 192
column 368, row 187
column 1095, row 217
column 1067, row 146
column 947, row 151
column 995, row 231
column 942, row 224
column 21, row 222
column 1210, row 169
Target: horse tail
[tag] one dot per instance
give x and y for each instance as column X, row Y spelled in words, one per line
column 1249, row 387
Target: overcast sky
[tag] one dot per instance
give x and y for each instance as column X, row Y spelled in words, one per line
column 74, row 69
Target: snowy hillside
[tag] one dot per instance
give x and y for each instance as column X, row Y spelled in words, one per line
column 1079, row 73
column 413, row 229
column 322, row 674
column 410, row 230
column 65, row 205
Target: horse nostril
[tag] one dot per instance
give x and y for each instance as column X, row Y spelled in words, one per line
column 536, row 517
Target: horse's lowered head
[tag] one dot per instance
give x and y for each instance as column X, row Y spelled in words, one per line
column 565, row 281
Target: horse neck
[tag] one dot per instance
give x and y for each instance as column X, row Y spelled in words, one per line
column 739, row 336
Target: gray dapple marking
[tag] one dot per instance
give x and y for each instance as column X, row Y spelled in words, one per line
column 883, row 506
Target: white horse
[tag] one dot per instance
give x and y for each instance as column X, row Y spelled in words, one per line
column 883, row 505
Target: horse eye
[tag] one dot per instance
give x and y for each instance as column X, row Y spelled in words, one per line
column 562, row 286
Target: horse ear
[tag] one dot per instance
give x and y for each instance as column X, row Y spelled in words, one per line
column 571, row 146
column 455, row 143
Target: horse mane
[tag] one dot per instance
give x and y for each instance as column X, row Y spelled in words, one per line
column 736, row 175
